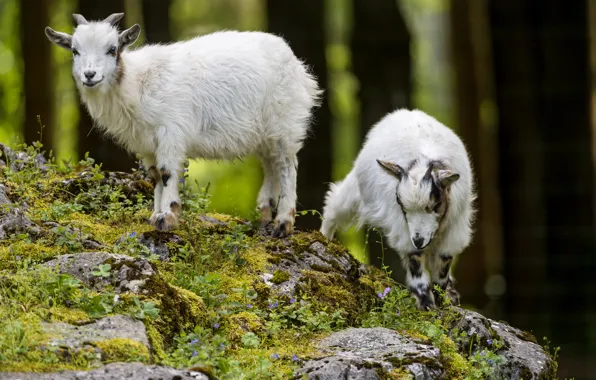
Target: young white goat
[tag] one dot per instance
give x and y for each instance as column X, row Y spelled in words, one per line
column 220, row 96
column 413, row 181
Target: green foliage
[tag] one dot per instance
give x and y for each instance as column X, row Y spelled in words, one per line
column 145, row 309
column 102, row 270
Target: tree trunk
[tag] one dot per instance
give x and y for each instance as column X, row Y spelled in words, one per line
column 38, row 82
column 380, row 45
column 156, row 20
column 541, row 61
column 482, row 262
column 99, row 146
column 302, row 24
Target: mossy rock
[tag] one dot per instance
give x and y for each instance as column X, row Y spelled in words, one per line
column 194, row 293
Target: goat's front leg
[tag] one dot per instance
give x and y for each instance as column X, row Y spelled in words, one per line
column 418, row 280
column 442, row 276
column 149, row 164
column 169, row 165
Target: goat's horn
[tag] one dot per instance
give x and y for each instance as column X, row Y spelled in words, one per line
column 79, row 19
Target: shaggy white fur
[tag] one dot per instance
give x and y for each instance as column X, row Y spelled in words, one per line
column 220, row 96
column 413, row 181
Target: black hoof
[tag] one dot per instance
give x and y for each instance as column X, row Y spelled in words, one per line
column 282, row 230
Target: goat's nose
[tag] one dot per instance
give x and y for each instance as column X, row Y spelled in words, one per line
column 418, row 241
column 89, row 74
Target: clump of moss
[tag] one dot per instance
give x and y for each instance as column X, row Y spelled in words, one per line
column 123, row 350
column 280, row 276
column 180, row 309
column 239, row 324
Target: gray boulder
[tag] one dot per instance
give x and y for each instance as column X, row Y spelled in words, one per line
column 371, row 354
column 525, row 358
column 127, row 274
column 113, row 371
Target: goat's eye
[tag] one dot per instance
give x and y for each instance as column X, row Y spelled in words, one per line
column 437, row 207
column 112, row 50
column 75, row 51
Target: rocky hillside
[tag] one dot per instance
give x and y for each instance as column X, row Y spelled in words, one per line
column 89, row 291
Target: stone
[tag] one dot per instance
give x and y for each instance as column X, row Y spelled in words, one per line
column 127, row 274
column 117, row 326
column 371, row 354
column 159, row 243
column 13, row 219
column 525, row 358
column 113, row 371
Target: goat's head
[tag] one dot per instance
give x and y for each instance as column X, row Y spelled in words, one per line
column 423, row 194
column 96, row 47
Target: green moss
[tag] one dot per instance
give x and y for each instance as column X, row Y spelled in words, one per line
column 123, row 350
column 155, row 340
column 280, row 276
column 180, row 309
column 68, row 315
column 239, row 324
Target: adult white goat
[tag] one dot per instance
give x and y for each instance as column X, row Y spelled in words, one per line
column 220, row 96
column 413, row 181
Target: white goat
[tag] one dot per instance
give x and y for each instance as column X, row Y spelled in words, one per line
column 220, row 96
column 413, row 181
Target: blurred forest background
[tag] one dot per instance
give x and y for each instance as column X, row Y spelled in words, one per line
column 512, row 77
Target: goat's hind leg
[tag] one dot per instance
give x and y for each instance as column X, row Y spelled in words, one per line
column 270, row 189
column 287, row 166
column 418, row 280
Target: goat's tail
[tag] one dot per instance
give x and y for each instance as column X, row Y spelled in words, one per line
column 341, row 205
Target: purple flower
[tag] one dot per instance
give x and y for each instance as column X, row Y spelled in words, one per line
column 294, row 358
column 181, row 180
column 273, row 305
column 18, row 257
column 194, row 353
column 489, row 341
column 222, row 347
column 132, row 234
column 249, row 306
column 385, row 292
column 274, row 356
column 194, row 341
column 216, row 325
column 292, row 300
column 490, row 361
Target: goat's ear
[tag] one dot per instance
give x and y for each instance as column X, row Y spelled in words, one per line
column 64, row 40
column 114, row 18
column 129, row 36
column 447, row 177
column 79, row 19
column 393, row 168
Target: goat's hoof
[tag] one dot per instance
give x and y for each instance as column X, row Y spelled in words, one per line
column 266, row 216
column 282, row 229
column 425, row 301
column 452, row 296
column 165, row 221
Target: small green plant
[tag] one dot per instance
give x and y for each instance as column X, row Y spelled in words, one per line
column 145, row 309
column 98, row 305
column 68, row 238
column 102, row 270
column 63, row 289
column 250, row 340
